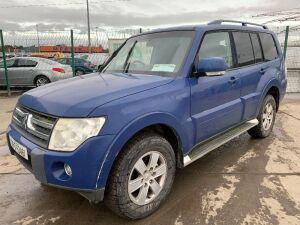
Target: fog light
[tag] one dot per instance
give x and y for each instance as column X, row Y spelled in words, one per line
column 68, row 169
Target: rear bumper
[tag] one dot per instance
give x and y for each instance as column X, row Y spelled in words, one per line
column 47, row 166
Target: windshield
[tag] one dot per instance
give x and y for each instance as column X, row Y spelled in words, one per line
column 159, row 53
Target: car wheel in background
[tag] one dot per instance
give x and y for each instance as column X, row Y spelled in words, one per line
column 142, row 176
column 41, row 80
column 79, row 72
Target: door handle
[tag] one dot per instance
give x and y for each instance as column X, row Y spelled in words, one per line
column 233, row 80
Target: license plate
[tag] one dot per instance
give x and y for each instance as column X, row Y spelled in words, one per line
column 20, row 149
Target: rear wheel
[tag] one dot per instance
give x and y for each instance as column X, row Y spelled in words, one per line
column 41, row 80
column 266, row 119
column 142, row 177
column 79, row 72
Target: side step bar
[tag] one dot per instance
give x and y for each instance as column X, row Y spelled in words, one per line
column 207, row 146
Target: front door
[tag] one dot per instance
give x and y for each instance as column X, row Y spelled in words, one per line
column 215, row 100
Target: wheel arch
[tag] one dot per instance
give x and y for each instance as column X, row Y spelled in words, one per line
column 40, row 75
column 273, row 88
column 161, row 123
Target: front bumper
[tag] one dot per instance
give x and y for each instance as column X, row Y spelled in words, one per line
column 48, row 166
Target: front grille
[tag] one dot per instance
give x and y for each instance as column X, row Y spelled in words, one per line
column 35, row 126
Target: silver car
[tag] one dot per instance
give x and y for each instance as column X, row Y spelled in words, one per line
column 33, row 71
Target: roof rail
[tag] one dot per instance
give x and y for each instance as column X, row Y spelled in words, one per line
column 235, row 21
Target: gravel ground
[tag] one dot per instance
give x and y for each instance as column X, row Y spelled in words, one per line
column 246, row 181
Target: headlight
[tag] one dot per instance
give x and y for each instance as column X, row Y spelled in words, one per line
column 68, row 134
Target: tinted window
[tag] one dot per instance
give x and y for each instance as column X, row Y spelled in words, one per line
column 216, row 45
column 26, row 63
column 78, row 61
column 244, row 49
column 256, row 48
column 268, row 45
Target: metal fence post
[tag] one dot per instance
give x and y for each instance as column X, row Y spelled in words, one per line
column 72, row 53
column 4, row 63
column 286, row 41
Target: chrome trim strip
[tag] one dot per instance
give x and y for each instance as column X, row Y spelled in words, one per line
column 20, row 112
column 41, row 123
column 38, row 134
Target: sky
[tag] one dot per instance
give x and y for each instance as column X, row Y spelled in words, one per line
column 16, row 15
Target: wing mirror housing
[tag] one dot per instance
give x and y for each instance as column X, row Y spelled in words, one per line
column 213, row 66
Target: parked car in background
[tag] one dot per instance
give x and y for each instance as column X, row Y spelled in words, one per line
column 97, row 59
column 33, row 71
column 82, row 66
column 163, row 100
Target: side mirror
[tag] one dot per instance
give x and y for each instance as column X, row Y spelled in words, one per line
column 213, row 66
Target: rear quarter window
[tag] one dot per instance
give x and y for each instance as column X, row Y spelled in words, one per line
column 268, row 46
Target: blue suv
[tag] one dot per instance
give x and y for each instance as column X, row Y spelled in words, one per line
column 163, row 100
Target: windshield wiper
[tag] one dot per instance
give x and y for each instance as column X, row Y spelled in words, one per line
column 127, row 64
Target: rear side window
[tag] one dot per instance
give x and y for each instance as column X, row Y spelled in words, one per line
column 268, row 46
column 256, row 48
column 26, row 63
column 216, row 45
column 244, row 49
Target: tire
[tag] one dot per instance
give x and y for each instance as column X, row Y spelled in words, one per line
column 266, row 118
column 41, row 81
column 79, row 72
column 129, row 203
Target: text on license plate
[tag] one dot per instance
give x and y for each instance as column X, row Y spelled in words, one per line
column 20, row 149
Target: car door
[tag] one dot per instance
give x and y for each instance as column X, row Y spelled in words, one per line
column 11, row 64
column 249, row 60
column 25, row 71
column 215, row 100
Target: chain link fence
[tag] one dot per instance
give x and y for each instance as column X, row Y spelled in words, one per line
column 292, row 54
column 50, row 47
column 57, row 46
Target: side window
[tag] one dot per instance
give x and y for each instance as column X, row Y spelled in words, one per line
column 9, row 63
column 77, row 61
column 244, row 49
column 268, row 45
column 256, row 48
column 26, row 63
column 216, row 45
column 62, row 61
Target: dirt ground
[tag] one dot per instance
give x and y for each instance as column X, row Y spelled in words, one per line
column 246, row 181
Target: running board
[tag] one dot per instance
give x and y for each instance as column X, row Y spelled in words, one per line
column 207, row 146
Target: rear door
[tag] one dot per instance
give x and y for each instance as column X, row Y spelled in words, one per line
column 25, row 71
column 249, row 62
column 215, row 100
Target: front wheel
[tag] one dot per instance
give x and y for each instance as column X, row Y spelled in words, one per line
column 142, row 177
column 266, row 119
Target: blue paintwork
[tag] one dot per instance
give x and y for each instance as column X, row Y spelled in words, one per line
column 213, row 64
column 194, row 107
